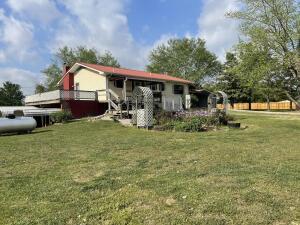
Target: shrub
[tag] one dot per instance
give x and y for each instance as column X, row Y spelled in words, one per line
column 190, row 121
column 189, row 114
column 163, row 117
column 196, row 124
column 223, row 117
column 61, row 117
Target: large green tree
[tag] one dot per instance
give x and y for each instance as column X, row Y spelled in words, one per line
column 230, row 82
column 187, row 58
column 69, row 56
column 273, row 26
column 52, row 74
column 256, row 70
column 10, row 94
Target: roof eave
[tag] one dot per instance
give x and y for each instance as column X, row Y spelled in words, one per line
column 70, row 70
column 74, row 68
column 151, row 79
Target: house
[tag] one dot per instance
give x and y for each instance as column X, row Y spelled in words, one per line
column 90, row 89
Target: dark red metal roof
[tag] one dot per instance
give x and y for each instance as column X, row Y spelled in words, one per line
column 135, row 73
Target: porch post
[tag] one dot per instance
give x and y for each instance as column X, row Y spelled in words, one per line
column 108, row 99
column 125, row 89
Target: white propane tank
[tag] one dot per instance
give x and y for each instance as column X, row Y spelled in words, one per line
column 17, row 125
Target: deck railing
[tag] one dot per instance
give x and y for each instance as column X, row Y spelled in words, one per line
column 43, row 97
column 58, row 95
column 78, row 95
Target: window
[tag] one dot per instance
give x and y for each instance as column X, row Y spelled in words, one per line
column 137, row 83
column 178, row 89
column 118, row 83
column 157, row 97
column 157, row 86
column 153, row 87
column 77, row 92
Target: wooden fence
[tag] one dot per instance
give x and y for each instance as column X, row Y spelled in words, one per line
column 262, row 106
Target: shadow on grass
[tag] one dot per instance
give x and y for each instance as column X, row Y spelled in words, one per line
column 41, row 131
column 24, row 133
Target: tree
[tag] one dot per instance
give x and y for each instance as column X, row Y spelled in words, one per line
column 256, row 69
column 185, row 58
column 274, row 25
column 230, row 81
column 11, row 94
column 39, row 88
column 107, row 59
column 69, row 56
column 53, row 74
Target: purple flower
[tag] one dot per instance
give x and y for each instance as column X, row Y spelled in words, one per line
column 189, row 114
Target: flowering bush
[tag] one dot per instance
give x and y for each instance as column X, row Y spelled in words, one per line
column 190, row 114
column 189, row 121
column 163, row 117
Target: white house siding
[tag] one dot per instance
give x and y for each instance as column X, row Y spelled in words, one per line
column 169, row 89
column 91, row 81
column 168, row 93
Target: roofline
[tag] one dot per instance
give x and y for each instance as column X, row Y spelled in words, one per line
column 76, row 65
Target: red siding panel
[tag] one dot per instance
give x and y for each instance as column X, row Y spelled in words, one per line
column 81, row 109
column 68, row 82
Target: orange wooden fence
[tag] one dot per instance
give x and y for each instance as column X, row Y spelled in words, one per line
column 261, row 106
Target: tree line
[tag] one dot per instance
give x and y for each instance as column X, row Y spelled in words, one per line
column 262, row 66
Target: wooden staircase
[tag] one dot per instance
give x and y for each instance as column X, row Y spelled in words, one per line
column 117, row 108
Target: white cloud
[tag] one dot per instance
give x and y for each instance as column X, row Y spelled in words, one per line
column 43, row 11
column 96, row 23
column 220, row 33
column 25, row 78
column 163, row 40
column 2, row 56
column 101, row 24
column 17, row 37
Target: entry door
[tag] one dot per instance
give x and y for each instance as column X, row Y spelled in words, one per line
column 77, row 93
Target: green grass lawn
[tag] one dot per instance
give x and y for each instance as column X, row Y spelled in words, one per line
column 103, row 173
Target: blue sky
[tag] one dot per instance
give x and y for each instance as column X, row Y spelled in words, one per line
column 32, row 30
column 149, row 19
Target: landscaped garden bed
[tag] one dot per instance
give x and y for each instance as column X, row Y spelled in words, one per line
column 190, row 121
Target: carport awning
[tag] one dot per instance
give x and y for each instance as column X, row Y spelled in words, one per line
column 28, row 110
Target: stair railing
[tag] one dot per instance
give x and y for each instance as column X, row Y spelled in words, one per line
column 111, row 97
